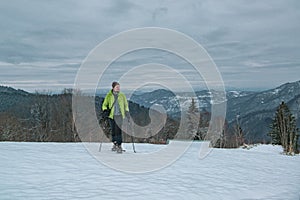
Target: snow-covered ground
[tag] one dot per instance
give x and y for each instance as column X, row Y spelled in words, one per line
column 68, row 171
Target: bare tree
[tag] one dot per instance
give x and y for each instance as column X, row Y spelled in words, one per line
column 238, row 132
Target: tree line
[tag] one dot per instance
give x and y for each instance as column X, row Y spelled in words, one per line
column 39, row 118
column 283, row 130
column 46, row 117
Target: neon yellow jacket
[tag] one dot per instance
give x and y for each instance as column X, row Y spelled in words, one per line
column 109, row 100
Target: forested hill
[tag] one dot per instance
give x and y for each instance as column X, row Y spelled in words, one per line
column 10, row 97
column 48, row 117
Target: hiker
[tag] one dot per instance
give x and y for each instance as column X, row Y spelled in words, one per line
column 115, row 106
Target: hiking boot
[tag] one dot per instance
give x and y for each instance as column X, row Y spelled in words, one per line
column 119, row 149
column 114, row 148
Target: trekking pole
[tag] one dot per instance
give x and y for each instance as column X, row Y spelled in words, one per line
column 132, row 140
column 101, row 141
column 100, row 147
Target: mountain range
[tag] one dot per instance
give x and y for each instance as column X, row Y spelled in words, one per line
column 253, row 110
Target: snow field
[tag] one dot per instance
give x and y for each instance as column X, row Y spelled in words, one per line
column 69, row 171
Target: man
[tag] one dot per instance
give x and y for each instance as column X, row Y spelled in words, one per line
column 116, row 104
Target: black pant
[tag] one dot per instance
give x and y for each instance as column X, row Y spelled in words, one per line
column 116, row 125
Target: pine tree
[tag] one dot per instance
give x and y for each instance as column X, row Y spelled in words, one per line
column 193, row 119
column 283, row 130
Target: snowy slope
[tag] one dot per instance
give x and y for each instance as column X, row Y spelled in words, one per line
column 68, row 171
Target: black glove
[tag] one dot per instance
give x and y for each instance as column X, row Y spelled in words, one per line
column 105, row 113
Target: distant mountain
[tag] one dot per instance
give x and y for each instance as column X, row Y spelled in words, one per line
column 171, row 101
column 162, row 97
column 10, row 90
column 255, row 110
column 266, row 100
column 10, row 98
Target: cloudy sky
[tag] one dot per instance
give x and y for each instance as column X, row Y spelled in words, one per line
column 255, row 44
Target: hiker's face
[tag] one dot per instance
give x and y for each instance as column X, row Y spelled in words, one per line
column 117, row 88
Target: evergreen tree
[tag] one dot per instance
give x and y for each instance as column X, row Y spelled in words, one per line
column 284, row 131
column 193, row 119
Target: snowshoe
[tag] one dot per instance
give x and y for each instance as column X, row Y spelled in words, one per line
column 114, row 148
column 119, row 149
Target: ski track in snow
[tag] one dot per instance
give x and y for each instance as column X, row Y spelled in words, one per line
column 40, row 171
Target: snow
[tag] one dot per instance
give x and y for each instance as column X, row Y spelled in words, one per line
column 276, row 91
column 235, row 93
column 69, row 171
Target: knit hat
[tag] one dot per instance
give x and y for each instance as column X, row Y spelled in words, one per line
column 114, row 84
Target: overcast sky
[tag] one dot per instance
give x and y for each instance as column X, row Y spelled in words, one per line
column 255, row 44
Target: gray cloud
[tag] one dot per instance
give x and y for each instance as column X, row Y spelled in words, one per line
column 249, row 41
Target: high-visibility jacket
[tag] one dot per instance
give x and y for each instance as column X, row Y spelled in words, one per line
column 109, row 100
